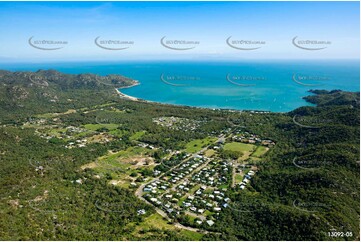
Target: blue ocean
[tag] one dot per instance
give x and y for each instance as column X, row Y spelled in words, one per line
column 276, row 86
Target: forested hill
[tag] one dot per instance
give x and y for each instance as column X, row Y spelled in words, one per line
column 24, row 93
column 306, row 185
column 308, row 189
column 335, row 97
column 62, row 81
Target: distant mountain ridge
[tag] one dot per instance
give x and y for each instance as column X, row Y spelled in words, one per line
column 51, row 90
column 64, row 81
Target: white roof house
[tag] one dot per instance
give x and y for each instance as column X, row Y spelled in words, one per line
column 141, row 211
column 210, row 222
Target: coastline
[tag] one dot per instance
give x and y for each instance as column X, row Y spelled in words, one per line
column 125, row 96
column 131, row 98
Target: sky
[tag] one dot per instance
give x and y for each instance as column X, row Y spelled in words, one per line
column 207, row 24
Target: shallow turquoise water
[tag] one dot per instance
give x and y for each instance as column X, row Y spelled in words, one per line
column 246, row 85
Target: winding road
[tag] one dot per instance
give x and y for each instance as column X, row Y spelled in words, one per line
column 139, row 192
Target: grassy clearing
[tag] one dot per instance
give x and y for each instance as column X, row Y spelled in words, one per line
column 208, row 213
column 223, row 186
column 192, row 235
column 237, row 146
column 191, row 192
column 47, row 115
column 246, row 149
column 194, row 189
column 137, row 135
column 196, row 145
column 56, row 131
column 103, row 105
column 53, row 115
column 82, row 134
column 238, row 178
column 123, row 156
column 209, row 153
column 95, row 127
column 122, row 164
column 117, row 132
column 260, row 151
column 156, row 221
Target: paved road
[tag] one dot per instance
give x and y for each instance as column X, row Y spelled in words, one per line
column 178, row 225
column 139, row 191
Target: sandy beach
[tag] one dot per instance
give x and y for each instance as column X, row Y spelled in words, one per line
column 122, row 95
column 125, row 96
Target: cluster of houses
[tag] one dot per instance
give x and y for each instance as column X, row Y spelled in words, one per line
column 162, row 203
column 197, row 187
column 206, row 199
column 68, row 132
column 156, row 187
column 260, row 112
column 176, row 158
column 204, row 203
column 186, row 168
column 66, row 135
column 78, row 143
column 246, row 179
column 36, row 121
column 156, row 172
column 184, row 188
column 145, row 145
column 169, row 201
column 202, row 196
column 246, row 137
column 101, row 138
column 216, row 174
column 176, row 123
column 63, row 134
column 191, row 189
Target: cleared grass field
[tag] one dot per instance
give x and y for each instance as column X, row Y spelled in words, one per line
column 157, row 222
column 238, row 178
column 209, row 153
column 247, row 149
column 118, row 133
column 53, row 115
column 121, row 160
column 137, row 135
column 260, row 151
column 237, row 146
column 95, row 127
column 196, row 145
column 122, row 164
